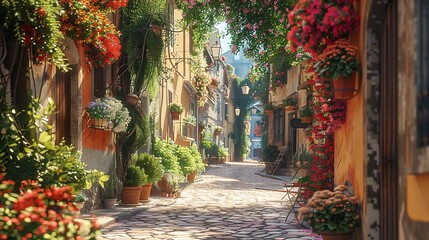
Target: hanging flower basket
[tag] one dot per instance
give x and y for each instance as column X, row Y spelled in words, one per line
column 345, row 87
column 101, row 123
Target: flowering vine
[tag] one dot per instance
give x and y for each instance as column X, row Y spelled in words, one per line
column 201, row 81
column 38, row 28
column 257, row 26
column 318, row 23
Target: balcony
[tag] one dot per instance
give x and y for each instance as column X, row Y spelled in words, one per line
column 188, row 132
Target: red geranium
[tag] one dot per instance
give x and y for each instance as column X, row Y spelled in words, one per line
column 318, row 23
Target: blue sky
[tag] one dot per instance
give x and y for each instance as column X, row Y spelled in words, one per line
column 226, row 40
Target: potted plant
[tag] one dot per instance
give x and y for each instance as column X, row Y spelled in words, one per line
column 214, row 83
column 338, row 63
column 175, row 109
column 306, row 113
column 290, row 103
column 111, row 189
column 185, row 159
column 332, row 214
column 201, row 127
column 108, row 113
column 301, row 158
column 79, row 200
column 191, row 120
column 269, row 108
column 134, row 179
column 199, row 165
column 98, row 112
column 217, row 130
column 153, row 170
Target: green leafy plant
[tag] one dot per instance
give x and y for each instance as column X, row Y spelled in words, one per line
column 268, row 106
column 165, row 151
column 80, row 198
column 28, row 151
column 270, row 153
column 200, row 166
column 306, row 111
column 333, row 211
column 302, row 157
column 113, row 186
column 134, row 177
column 190, row 120
column 185, row 159
column 291, row 101
column 151, row 166
column 176, row 107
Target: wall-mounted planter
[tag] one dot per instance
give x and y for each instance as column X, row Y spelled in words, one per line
column 175, row 115
column 345, row 87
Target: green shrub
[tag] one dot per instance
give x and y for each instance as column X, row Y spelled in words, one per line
column 200, row 166
column 134, row 177
column 28, row 151
column 185, row 159
column 270, row 153
column 151, row 166
column 165, row 151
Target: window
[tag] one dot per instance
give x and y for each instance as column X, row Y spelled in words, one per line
column 99, row 82
column 226, row 110
column 171, row 21
column 279, row 123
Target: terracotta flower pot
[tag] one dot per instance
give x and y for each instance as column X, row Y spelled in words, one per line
column 191, row 176
column 269, row 112
column 335, row 235
column 345, row 87
column 165, row 187
column 132, row 99
column 109, row 203
column 130, row 195
column 145, row 192
column 175, row 115
column 289, row 108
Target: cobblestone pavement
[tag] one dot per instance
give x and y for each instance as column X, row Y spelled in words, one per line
column 225, row 204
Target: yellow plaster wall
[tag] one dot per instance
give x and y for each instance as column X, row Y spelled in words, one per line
column 417, row 197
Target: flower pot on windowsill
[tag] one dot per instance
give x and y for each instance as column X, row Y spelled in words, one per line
column 175, row 115
column 290, row 108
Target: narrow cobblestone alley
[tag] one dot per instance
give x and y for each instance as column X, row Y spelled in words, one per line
column 224, row 204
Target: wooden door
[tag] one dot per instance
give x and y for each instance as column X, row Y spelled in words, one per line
column 62, row 97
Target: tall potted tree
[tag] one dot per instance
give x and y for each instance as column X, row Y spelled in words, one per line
column 153, row 170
